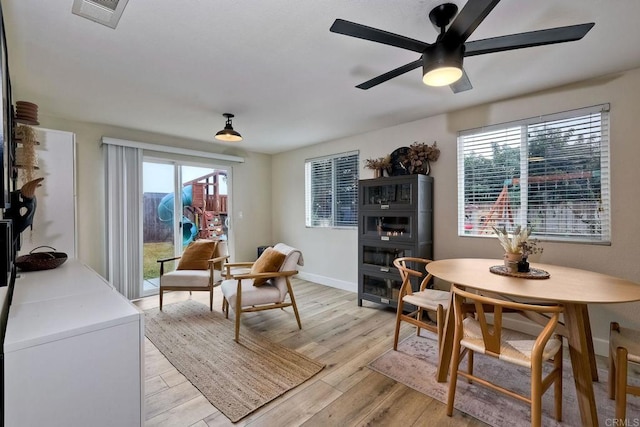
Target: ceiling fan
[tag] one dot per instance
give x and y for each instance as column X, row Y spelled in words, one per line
column 442, row 60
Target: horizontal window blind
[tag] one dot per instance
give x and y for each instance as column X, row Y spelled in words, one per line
column 331, row 191
column 550, row 173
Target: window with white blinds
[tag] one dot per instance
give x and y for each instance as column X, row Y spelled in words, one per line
column 550, row 173
column 331, row 191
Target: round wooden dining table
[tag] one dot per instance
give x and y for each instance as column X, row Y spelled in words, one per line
column 573, row 288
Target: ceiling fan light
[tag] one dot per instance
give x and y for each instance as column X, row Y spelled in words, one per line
column 441, row 65
column 442, row 76
column 228, row 134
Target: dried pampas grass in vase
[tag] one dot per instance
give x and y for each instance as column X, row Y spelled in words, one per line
column 378, row 165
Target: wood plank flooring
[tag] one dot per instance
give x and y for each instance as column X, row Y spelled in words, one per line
column 346, row 393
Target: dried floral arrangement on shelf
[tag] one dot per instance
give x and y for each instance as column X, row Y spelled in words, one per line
column 378, row 165
column 420, row 154
column 414, row 159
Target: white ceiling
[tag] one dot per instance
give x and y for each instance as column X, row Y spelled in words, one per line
column 173, row 67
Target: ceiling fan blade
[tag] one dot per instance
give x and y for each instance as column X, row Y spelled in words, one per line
column 462, row 84
column 529, row 39
column 391, row 74
column 360, row 31
column 471, row 15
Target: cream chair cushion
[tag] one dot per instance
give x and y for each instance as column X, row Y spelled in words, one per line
column 291, row 262
column 251, row 295
column 514, row 348
column 189, row 278
column 429, row 299
column 222, row 249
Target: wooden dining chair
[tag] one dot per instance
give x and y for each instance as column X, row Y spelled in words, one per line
column 624, row 347
column 475, row 334
column 425, row 299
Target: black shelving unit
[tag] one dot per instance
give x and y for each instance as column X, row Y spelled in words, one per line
column 395, row 220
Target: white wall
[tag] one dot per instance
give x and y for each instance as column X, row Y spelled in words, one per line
column 331, row 255
column 250, row 192
column 54, row 222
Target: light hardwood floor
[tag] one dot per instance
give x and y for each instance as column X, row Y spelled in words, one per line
column 336, row 332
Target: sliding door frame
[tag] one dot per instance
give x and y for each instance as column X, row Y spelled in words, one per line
column 177, row 164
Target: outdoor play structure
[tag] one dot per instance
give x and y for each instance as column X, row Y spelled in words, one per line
column 501, row 213
column 204, row 210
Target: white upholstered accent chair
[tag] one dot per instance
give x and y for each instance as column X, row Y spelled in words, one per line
column 203, row 275
column 425, row 299
column 475, row 334
column 241, row 296
column 624, row 347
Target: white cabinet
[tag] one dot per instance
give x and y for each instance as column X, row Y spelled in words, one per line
column 74, row 352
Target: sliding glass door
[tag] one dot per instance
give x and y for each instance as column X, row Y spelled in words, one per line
column 170, row 223
column 158, row 225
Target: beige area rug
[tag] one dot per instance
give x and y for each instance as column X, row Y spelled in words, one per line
column 414, row 364
column 237, row 378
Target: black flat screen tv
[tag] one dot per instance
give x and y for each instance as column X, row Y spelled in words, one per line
column 6, row 115
column 8, row 173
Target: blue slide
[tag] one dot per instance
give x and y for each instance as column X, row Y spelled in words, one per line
column 165, row 213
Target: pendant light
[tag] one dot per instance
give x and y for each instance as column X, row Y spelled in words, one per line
column 228, row 134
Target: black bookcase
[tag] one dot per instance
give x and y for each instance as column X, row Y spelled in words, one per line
column 395, row 220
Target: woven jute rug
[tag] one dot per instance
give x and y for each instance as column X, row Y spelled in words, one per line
column 237, row 378
column 415, row 362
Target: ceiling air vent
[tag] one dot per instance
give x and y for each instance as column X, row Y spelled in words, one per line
column 105, row 12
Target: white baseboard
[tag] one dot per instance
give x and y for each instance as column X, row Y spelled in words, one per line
column 328, row 281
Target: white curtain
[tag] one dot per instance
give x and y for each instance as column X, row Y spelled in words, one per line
column 123, row 180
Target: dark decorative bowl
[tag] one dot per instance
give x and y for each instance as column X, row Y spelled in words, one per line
column 36, row 261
